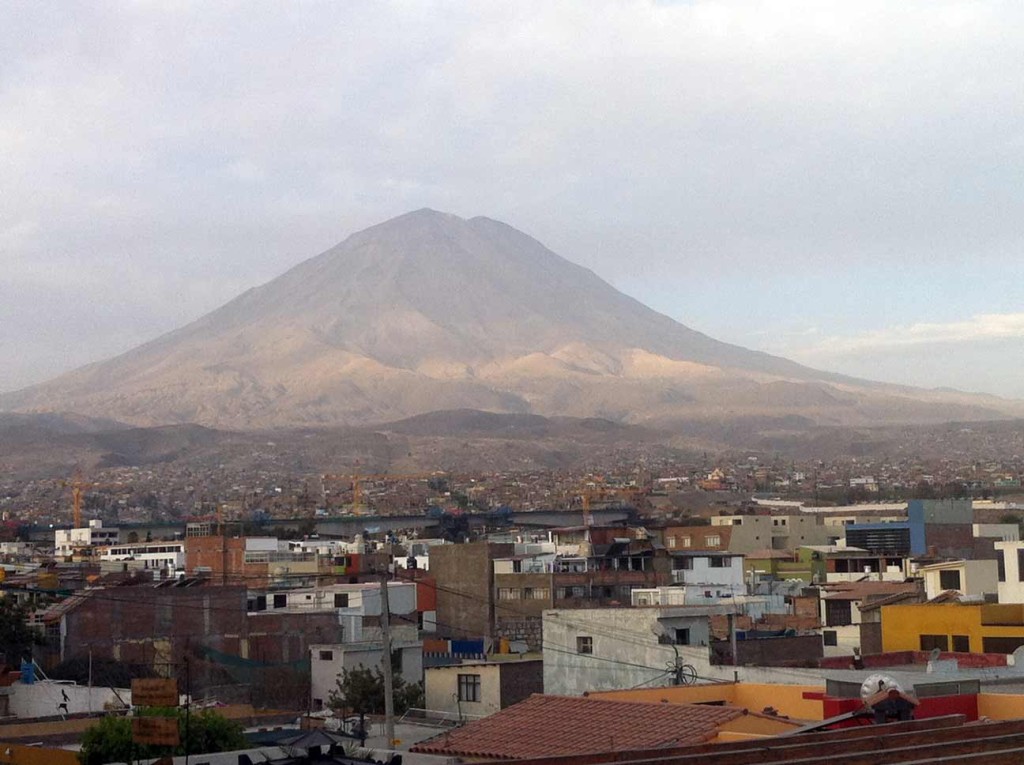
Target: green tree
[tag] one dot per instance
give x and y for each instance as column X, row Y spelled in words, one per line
column 361, row 691
column 111, row 739
column 16, row 637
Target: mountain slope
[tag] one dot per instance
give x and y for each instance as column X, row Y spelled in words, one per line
column 429, row 311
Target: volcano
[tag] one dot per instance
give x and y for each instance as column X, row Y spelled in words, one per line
column 430, row 311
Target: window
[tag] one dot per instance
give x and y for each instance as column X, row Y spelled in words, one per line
column 539, row 593
column 949, row 580
column 1020, row 565
column 670, row 542
column 318, row 704
column 469, row 687
column 931, row 642
column 327, row 656
column 508, row 593
column 686, row 542
column 829, row 637
column 1001, row 564
column 1001, row 644
column 280, row 601
column 683, row 562
column 838, row 613
column 341, row 600
column 714, row 540
column 584, row 644
column 962, row 643
column 719, row 562
column 682, row 636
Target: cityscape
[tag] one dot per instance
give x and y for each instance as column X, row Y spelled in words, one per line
column 407, row 383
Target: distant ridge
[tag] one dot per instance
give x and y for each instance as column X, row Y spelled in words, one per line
column 429, row 311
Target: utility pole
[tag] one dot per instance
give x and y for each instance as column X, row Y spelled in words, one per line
column 389, row 684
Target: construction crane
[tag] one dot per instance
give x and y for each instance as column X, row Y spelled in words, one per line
column 78, row 489
column 357, row 479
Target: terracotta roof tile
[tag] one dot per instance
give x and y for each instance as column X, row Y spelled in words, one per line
column 556, row 725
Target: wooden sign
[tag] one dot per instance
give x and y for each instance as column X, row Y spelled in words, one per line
column 154, row 692
column 159, row 731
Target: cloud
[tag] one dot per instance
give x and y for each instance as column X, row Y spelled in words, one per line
column 977, row 329
column 160, row 158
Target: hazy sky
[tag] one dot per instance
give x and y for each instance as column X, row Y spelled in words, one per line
column 841, row 183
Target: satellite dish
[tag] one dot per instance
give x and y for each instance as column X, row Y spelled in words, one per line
column 935, row 654
column 659, row 629
column 875, row 683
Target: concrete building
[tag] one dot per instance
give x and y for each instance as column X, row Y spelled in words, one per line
column 67, row 541
column 749, row 533
column 938, row 527
column 478, row 689
column 466, row 593
column 841, row 616
column 830, row 564
column 249, row 560
column 326, row 661
column 694, row 537
column 163, row 556
column 1010, row 571
column 972, row 578
column 609, row 648
column 707, row 577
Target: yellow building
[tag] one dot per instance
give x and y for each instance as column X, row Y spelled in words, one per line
column 954, row 626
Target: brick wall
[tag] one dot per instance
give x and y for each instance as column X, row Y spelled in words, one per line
column 159, row 628
column 797, row 651
column 526, row 628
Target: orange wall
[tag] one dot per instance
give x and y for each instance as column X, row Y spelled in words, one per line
column 678, row 694
column 16, row 754
column 787, row 699
column 1001, row 706
column 758, row 725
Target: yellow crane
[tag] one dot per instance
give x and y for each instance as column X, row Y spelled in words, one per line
column 78, row 489
column 357, row 479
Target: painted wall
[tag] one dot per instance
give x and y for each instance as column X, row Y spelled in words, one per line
column 1011, row 590
column 977, row 577
column 18, row 754
column 441, row 687
column 775, row 532
column 1001, row 706
column 327, row 661
column 626, row 652
column 43, row 699
column 902, row 626
column 789, row 700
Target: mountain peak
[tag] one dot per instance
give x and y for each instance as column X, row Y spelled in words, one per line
column 431, row 311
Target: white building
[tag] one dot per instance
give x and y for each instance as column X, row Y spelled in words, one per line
column 592, row 649
column 974, row 578
column 166, row 556
column 708, row 576
column 360, row 600
column 1004, row 532
column 67, row 541
column 327, row 661
column 475, row 689
column 359, row 611
column 1010, row 571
